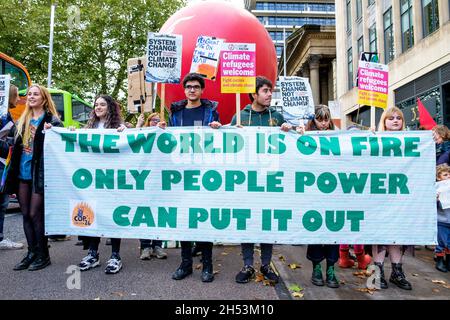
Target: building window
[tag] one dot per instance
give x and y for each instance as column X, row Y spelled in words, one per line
column 430, row 16
column 373, row 38
column 360, row 46
column 358, row 9
column 388, row 37
column 350, row 68
column 407, row 24
column 349, row 16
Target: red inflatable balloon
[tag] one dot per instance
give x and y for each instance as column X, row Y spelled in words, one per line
column 226, row 21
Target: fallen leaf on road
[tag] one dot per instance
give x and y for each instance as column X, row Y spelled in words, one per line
column 435, row 290
column 197, row 267
column 133, row 294
column 98, row 298
column 359, row 273
column 219, row 265
column 269, row 283
column 282, row 258
column 415, row 275
column 120, row 294
column 342, row 282
column 294, row 266
column 298, row 295
column 295, row 288
column 446, row 286
column 216, row 271
column 224, row 253
column 259, row 277
column 366, row 290
column 439, row 281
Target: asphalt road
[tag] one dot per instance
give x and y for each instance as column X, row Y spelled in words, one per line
column 152, row 279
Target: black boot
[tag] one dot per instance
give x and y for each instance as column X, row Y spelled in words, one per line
column 398, row 277
column 207, row 272
column 383, row 282
column 27, row 260
column 447, row 261
column 183, row 270
column 440, row 264
column 42, row 260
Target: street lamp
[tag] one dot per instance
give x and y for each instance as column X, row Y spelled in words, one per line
column 50, row 47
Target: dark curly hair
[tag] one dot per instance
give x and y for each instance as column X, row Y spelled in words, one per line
column 113, row 115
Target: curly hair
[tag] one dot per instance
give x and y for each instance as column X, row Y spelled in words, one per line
column 113, row 115
column 443, row 131
column 440, row 169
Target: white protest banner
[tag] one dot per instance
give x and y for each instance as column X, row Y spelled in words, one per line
column 242, row 185
column 205, row 59
column 4, row 93
column 443, row 189
column 164, row 53
column 298, row 103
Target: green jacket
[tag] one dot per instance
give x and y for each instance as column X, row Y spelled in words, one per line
column 267, row 118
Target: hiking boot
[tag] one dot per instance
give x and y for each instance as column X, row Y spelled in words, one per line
column 42, row 261
column 159, row 253
column 331, row 280
column 146, row 254
column 90, row 261
column 246, row 274
column 7, row 244
column 183, row 271
column 440, row 264
column 398, row 277
column 269, row 274
column 207, row 272
column 27, row 260
column 317, row 278
column 382, row 279
column 114, row 264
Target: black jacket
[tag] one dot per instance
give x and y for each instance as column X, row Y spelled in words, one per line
column 37, row 162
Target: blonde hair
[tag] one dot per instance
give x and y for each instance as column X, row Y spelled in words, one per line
column 13, row 93
column 150, row 117
column 440, row 169
column 386, row 114
column 442, row 131
column 23, row 124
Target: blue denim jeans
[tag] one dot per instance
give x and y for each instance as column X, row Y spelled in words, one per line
column 4, row 201
column 443, row 239
column 248, row 251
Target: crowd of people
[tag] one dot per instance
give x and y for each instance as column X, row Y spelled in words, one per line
column 25, row 178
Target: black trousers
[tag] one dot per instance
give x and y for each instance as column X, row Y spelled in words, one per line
column 317, row 252
column 204, row 247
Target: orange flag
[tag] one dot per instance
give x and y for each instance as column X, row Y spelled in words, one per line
column 425, row 119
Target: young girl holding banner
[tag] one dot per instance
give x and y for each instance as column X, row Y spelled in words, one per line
column 392, row 119
column 106, row 114
column 317, row 252
column 26, row 173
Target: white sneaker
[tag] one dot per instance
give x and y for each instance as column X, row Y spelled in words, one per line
column 114, row 265
column 146, row 254
column 7, row 244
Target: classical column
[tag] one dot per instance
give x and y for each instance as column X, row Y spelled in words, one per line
column 304, row 70
column 314, row 76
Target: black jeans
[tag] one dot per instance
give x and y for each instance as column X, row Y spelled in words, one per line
column 145, row 243
column 317, row 252
column 204, row 247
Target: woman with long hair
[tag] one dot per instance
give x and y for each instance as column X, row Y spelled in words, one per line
column 26, row 174
column 105, row 115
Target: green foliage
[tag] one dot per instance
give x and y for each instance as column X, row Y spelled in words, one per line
column 90, row 53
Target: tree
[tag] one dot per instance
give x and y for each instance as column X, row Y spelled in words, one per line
column 90, row 55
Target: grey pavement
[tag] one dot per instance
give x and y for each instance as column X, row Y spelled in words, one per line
column 152, row 279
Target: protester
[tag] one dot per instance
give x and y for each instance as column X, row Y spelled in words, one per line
column 441, row 135
column 150, row 248
column 317, row 252
column 442, row 250
column 6, row 120
column 26, row 174
column 106, row 115
column 259, row 113
column 392, row 119
column 194, row 111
